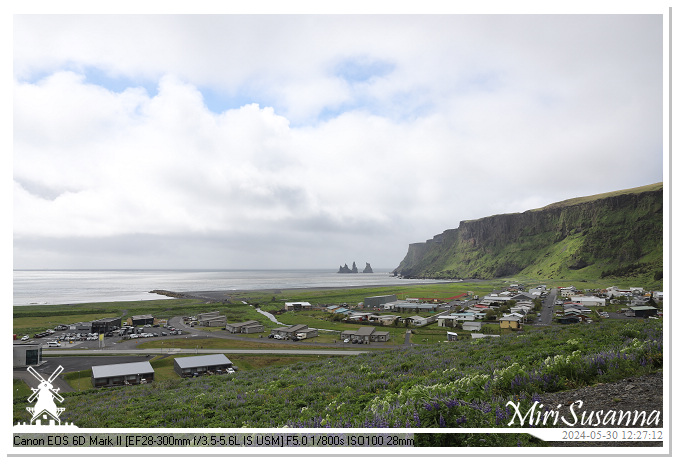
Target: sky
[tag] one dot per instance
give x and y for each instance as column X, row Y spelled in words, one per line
column 277, row 141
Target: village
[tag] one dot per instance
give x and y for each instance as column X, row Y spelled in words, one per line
column 377, row 321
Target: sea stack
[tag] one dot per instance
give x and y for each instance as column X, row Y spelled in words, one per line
column 368, row 269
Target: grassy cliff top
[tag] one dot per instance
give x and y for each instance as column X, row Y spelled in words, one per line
column 575, row 201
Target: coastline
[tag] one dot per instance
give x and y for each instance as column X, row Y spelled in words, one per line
column 225, row 295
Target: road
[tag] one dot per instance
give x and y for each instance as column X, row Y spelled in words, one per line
column 547, row 312
column 75, row 352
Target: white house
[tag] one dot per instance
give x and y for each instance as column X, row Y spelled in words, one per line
column 567, row 292
column 447, row 321
column 589, row 300
column 471, row 326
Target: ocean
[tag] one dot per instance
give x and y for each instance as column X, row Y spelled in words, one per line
column 37, row 287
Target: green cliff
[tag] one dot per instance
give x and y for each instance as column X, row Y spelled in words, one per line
column 617, row 234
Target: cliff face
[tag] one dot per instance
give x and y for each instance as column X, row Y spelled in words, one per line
column 617, row 234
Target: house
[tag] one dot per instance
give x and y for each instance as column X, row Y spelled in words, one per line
column 447, row 321
column 359, row 316
column 245, row 327
column 588, row 300
column 378, row 301
column 523, row 297
column 383, row 319
column 204, row 316
column 471, row 326
column 510, row 322
column 199, row 365
column 297, row 305
column 366, row 335
column 415, row 306
column 111, row 375
column 567, row 292
column 295, row 331
column 417, row 321
column 568, row 320
column 493, row 298
column 217, row 321
column 615, row 291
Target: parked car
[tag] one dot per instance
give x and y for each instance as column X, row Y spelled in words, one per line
column 24, row 338
column 346, row 340
column 230, row 371
column 164, row 334
column 53, row 344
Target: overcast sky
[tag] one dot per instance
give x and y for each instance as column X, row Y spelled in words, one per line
column 225, row 141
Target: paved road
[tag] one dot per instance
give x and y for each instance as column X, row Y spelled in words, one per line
column 57, row 352
column 547, row 311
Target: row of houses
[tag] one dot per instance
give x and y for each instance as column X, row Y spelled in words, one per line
column 299, row 331
column 211, row 319
column 245, row 327
column 111, row 375
column 365, row 335
column 598, row 297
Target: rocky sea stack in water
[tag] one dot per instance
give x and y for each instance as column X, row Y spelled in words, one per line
column 354, row 270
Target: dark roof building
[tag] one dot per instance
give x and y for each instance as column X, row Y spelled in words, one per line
column 376, row 301
column 142, row 320
column 641, row 311
column 106, row 325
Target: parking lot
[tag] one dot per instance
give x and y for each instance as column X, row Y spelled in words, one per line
column 69, row 339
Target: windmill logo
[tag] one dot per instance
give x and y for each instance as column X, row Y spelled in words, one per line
column 45, row 406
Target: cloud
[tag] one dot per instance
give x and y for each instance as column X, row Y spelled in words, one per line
column 335, row 136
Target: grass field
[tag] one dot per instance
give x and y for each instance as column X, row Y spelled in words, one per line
column 163, row 367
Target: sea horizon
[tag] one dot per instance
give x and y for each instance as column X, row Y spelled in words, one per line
column 71, row 286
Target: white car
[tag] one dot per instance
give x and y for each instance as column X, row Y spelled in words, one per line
column 24, row 338
column 53, row 344
column 230, row 370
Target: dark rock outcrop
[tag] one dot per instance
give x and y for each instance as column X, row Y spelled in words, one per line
column 368, row 269
column 345, row 269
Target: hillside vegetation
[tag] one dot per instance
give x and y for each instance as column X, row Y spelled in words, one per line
column 457, row 384
column 617, row 235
